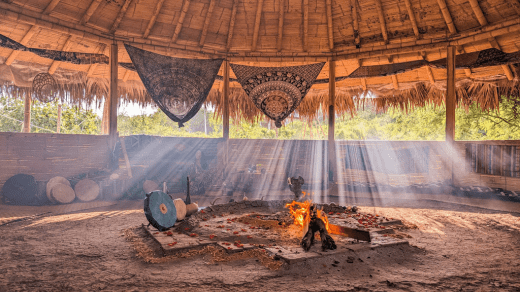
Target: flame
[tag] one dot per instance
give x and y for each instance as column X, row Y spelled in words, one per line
column 301, row 214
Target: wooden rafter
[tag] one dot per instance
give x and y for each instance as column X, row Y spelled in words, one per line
column 127, row 75
column 100, row 50
column 305, row 8
column 478, row 12
column 364, row 84
column 180, row 21
column 507, row 70
column 91, row 9
column 395, row 82
column 447, row 16
column 280, row 25
column 430, row 74
column 207, row 20
column 411, row 14
column 66, row 46
column 256, row 29
column 355, row 23
column 151, row 23
column 120, row 16
column 379, row 8
column 26, row 38
column 516, row 5
column 51, row 6
column 330, row 28
column 232, row 24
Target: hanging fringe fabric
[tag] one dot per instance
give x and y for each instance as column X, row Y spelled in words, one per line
column 178, row 86
column 277, row 91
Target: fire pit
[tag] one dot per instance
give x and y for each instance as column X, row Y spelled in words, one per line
column 280, row 228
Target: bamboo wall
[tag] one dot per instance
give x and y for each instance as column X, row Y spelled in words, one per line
column 48, row 155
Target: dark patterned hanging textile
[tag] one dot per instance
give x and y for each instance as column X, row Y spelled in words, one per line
column 277, row 91
column 178, row 86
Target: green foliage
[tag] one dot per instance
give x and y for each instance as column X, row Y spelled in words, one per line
column 44, row 117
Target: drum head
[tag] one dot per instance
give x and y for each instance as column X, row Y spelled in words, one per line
column 160, row 210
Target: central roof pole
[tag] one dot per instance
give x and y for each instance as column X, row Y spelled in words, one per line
column 450, row 95
column 113, row 98
column 225, row 114
column 27, row 114
column 332, row 116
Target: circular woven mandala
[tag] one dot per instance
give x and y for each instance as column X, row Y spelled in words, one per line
column 44, row 87
column 276, row 99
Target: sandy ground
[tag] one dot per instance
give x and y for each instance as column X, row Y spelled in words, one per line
column 453, row 247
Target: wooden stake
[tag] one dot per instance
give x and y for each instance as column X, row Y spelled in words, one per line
column 120, row 16
column 26, row 38
column 151, row 23
column 330, row 28
column 450, row 95
column 113, row 96
column 332, row 117
column 225, row 118
column 178, row 27
column 305, row 8
column 66, row 46
column 280, row 25
column 27, row 114
column 355, row 23
column 411, row 14
column 207, row 20
column 379, row 8
column 91, row 9
column 447, row 16
column 231, row 24
column 258, row 18
column 58, row 120
column 478, row 12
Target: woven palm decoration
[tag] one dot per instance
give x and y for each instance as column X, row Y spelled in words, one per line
column 178, row 86
column 277, row 91
column 44, row 87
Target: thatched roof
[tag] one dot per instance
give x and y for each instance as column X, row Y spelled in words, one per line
column 269, row 33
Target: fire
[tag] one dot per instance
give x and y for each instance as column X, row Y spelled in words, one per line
column 301, row 214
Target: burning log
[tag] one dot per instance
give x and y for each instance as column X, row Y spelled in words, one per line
column 317, row 224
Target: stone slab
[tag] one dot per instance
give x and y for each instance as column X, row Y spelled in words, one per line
column 177, row 241
column 230, row 247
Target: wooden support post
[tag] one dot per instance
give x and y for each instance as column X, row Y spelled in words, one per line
column 225, row 93
column 280, row 25
column 447, row 16
column 231, row 24
column 178, row 27
column 330, row 27
column 207, row 20
column 120, row 16
column 450, row 95
column 58, row 120
column 305, row 8
column 411, row 14
column 355, row 23
column 27, row 114
column 332, row 116
column 151, row 23
column 113, row 96
column 379, row 8
column 256, row 28
column 27, row 37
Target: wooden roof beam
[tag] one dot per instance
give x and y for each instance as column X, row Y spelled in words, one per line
column 355, row 23
column 305, row 8
column 330, row 28
column 411, row 14
column 379, row 8
column 447, row 16
column 280, row 25
column 26, row 38
column 180, row 21
column 507, row 70
column 232, row 24
column 478, row 12
column 256, row 29
column 120, row 16
column 151, row 23
column 207, row 21
column 66, row 46
column 51, row 6
column 91, row 9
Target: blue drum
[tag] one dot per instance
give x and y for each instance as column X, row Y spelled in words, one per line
column 160, row 210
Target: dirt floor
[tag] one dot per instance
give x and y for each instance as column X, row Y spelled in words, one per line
column 99, row 247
